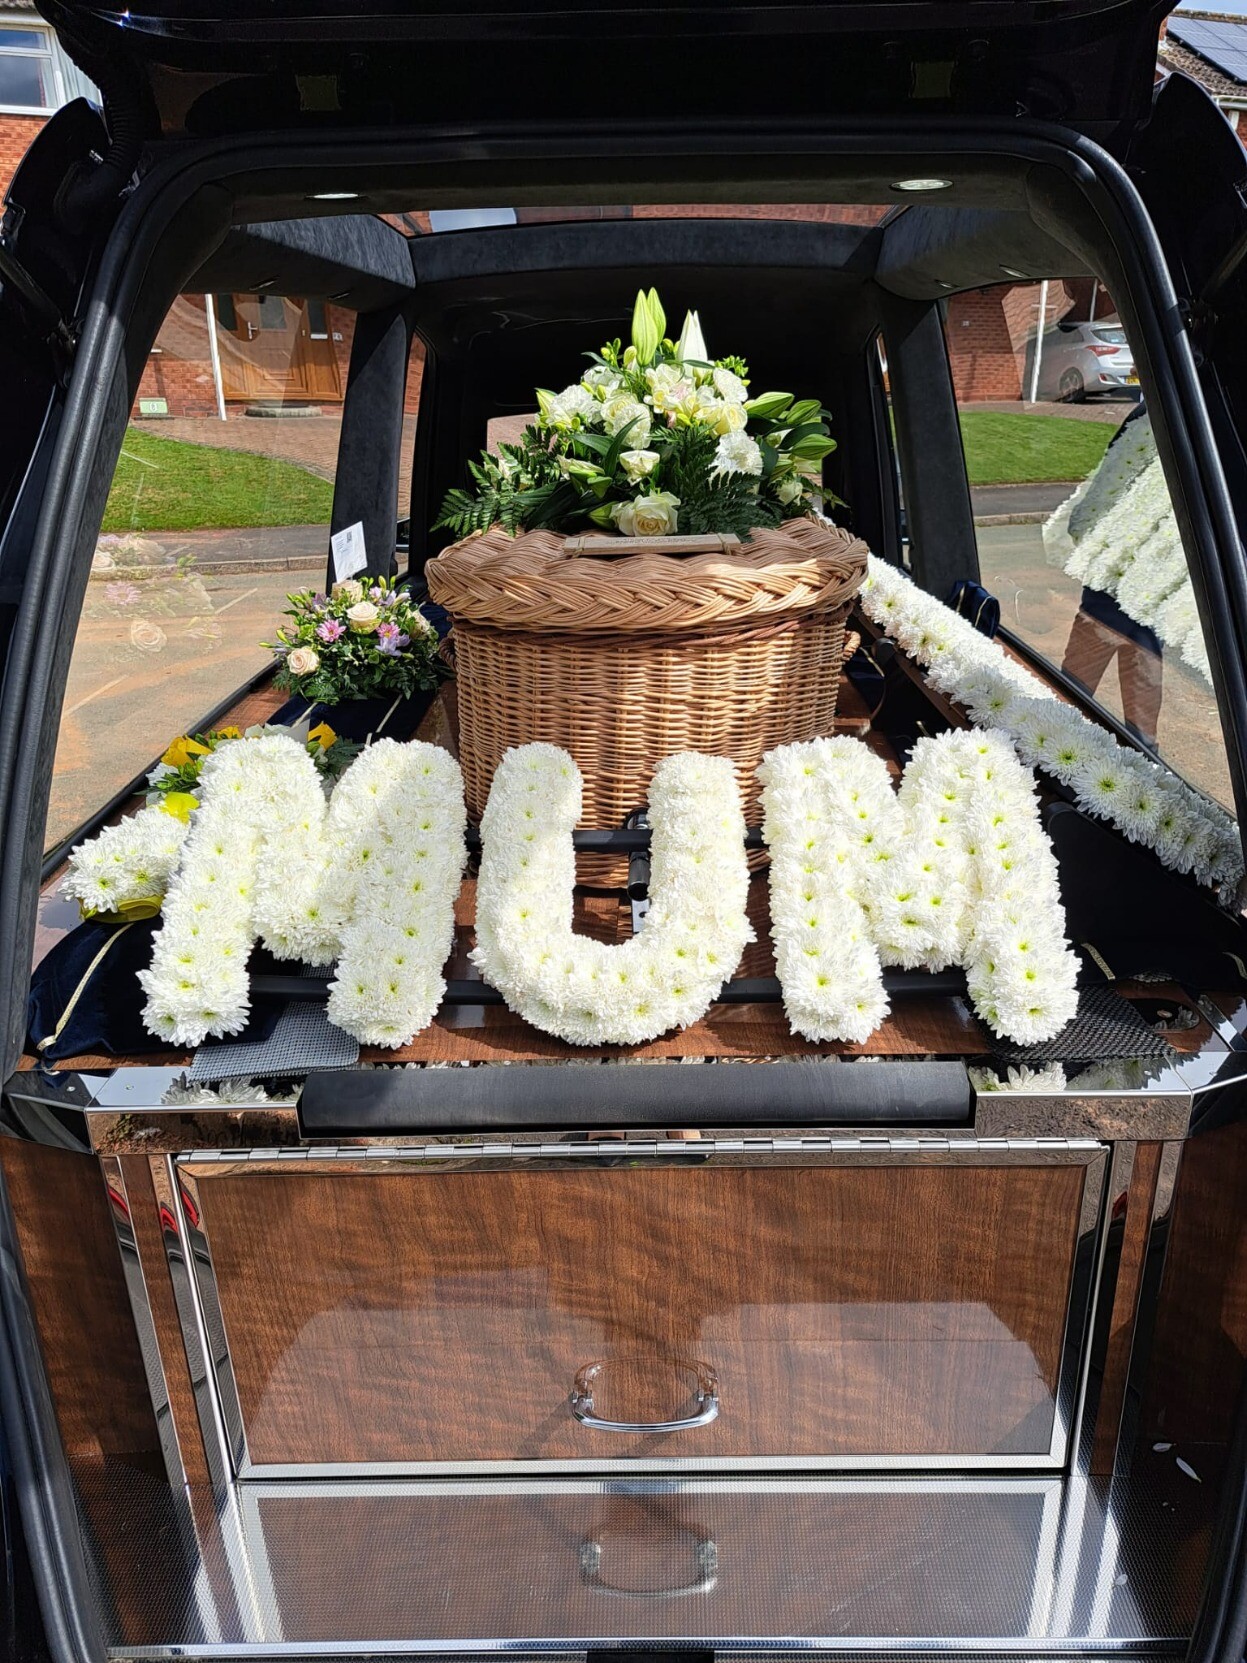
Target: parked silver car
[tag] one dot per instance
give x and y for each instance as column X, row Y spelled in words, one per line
column 1082, row 359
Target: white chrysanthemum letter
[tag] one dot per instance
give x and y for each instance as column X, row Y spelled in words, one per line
column 955, row 869
column 372, row 877
column 585, row 991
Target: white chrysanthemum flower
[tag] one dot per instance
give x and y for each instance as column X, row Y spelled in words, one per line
column 131, row 861
column 737, row 453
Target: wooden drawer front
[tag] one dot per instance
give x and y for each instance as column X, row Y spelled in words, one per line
column 906, row 1311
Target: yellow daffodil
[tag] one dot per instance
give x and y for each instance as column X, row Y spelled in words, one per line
column 179, row 804
column 228, row 733
column 184, row 750
column 323, row 734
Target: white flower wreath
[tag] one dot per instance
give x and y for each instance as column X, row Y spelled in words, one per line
column 372, row 877
column 1145, row 802
column 585, row 991
column 955, row 869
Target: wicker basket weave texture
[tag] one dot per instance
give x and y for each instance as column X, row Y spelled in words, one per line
column 623, row 662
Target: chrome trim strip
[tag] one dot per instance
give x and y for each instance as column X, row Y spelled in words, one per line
column 194, row 1335
column 136, row 1287
column 1022, row 1646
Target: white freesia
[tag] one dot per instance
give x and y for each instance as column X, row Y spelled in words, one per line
column 582, row 990
column 1146, row 802
column 636, row 464
column 131, row 861
column 654, row 515
column 737, row 453
column 601, row 380
column 953, row 869
column 1117, row 533
column 266, row 857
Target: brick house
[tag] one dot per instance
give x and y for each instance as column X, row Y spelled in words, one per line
column 1212, row 49
column 282, row 350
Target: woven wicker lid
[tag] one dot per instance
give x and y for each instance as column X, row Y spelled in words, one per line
column 530, row 583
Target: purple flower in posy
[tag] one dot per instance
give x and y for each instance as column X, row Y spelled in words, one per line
column 319, row 602
column 330, row 630
column 391, row 640
column 375, row 593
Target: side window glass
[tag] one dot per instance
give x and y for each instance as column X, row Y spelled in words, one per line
column 219, row 506
column 1075, row 529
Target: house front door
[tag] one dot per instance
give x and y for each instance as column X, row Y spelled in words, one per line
column 274, row 347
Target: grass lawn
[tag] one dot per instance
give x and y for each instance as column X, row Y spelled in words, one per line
column 167, row 485
column 1006, row 449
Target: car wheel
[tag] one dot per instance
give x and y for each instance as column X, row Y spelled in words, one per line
column 1071, row 387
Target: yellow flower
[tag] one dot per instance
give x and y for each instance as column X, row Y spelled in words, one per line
column 184, row 750
column 179, row 804
column 323, row 734
column 228, row 733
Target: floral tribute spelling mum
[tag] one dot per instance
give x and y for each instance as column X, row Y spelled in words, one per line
column 655, row 438
column 360, row 641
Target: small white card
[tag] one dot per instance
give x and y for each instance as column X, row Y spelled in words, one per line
column 349, row 553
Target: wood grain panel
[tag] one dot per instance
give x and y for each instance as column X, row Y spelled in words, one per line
column 1199, row 1355
column 81, row 1307
column 388, row 1317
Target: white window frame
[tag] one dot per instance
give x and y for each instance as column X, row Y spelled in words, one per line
column 10, row 21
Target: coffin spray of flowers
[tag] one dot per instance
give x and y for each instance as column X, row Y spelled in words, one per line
column 585, row 991
column 362, row 640
column 953, row 869
column 1144, row 801
column 265, row 857
column 1118, row 534
column 655, row 438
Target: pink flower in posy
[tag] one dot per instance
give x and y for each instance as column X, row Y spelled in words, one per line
column 331, row 629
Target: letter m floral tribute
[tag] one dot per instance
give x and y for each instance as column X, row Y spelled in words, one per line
column 655, row 438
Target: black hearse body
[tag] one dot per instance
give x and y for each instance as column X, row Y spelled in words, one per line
column 177, row 1481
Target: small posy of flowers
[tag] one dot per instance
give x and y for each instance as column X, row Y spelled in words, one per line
column 174, row 782
column 363, row 640
column 655, row 438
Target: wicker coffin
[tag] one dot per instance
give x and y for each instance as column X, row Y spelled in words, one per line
column 628, row 660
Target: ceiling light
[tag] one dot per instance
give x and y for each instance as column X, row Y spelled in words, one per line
column 334, row 196
column 1011, row 271
column 921, row 184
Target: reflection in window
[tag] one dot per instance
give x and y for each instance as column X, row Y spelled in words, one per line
column 1075, row 528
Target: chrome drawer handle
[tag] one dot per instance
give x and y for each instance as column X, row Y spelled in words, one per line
column 705, row 1557
column 705, row 1399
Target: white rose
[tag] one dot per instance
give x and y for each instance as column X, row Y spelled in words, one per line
column 619, row 411
column 363, row 617
column 730, row 386
column 302, row 661
column 730, row 418
column 651, row 516
column 637, row 463
column 788, row 490
column 348, row 591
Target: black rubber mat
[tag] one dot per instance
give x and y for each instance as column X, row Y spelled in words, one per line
column 1107, row 1028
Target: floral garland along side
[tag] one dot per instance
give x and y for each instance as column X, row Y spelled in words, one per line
column 582, row 990
column 1147, row 803
column 953, row 869
column 265, row 856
